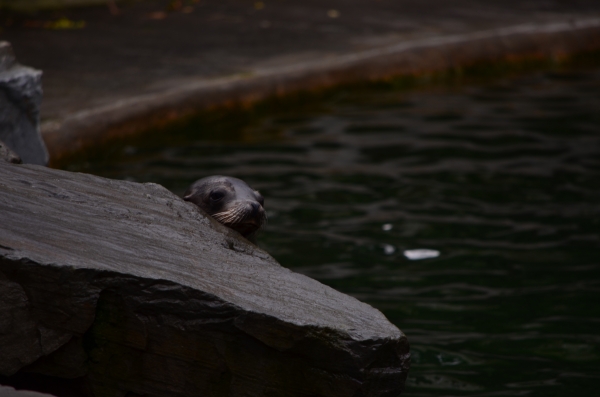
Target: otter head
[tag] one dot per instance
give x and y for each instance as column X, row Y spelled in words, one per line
column 231, row 202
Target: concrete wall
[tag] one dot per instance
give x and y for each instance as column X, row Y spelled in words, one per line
column 33, row 5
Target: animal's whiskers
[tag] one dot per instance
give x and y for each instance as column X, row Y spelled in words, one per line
column 234, row 215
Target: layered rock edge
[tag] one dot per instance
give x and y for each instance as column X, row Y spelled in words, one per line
column 133, row 290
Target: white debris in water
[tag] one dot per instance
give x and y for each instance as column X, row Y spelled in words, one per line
column 388, row 249
column 417, row 254
column 387, row 227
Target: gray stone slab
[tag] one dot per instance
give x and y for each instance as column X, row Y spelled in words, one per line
column 138, row 291
column 20, row 98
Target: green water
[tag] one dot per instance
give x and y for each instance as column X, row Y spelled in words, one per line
column 501, row 178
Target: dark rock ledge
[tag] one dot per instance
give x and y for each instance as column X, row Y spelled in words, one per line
column 133, row 291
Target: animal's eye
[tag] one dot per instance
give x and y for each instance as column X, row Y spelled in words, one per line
column 216, row 196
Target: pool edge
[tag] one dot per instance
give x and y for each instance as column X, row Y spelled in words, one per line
column 135, row 114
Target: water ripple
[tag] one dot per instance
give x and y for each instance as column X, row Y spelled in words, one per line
column 501, row 179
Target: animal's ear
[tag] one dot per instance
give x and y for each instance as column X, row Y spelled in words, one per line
column 189, row 194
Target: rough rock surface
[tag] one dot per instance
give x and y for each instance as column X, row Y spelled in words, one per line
column 20, row 98
column 133, row 290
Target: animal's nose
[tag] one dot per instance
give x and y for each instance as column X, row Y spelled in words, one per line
column 255, row 208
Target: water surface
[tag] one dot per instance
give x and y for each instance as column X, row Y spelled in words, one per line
column 501, row 179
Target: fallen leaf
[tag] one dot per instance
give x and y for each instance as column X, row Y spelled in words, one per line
column 64, row 23
column 333, row 13
column 175, row 5
column 157, row 15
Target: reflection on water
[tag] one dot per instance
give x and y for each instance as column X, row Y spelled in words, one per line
column 495, row 188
